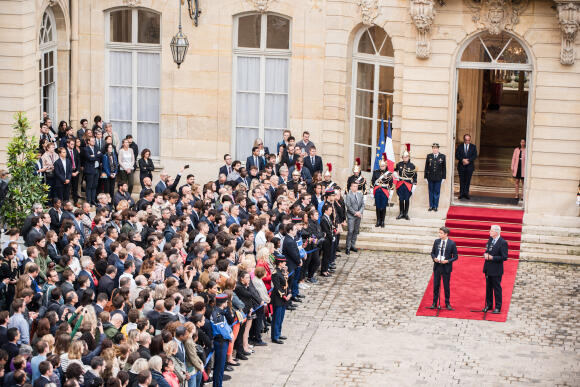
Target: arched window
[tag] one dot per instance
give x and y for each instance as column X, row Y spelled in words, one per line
column 134, row 75
column 47, row 64
column 261, row 80
column 372, row 92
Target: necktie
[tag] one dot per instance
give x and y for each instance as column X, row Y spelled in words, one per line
column 442, row 252
column 256, row 162
column 72, row 158
column 64, row 165
column 312, row 161
column 466, row 147
column 229, row 170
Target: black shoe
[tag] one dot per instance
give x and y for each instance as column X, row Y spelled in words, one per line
column 241, row 356
column 228, row 368
column 260, row 344
column 354, row 249
column 467, row 197
column 448, row 307
column 294, row 299
column 282, row 337
column 300, row 296
column 485, row 309
column 332, row 265
column 233, row 364
column 378, row 223
column 433, row 306
column 331, row 270
column 407, row 217
column 496, row 311
column 347, row 252
column 401, row 216
column 430, row 209
column 435, row 209
column 277, row 341
column 291, row 307
column 324, row 275
column 226, row 377
column 246, row 353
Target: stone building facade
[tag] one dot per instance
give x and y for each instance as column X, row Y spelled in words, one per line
column 332, row 67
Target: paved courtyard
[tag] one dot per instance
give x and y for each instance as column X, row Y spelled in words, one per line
column 359, row 328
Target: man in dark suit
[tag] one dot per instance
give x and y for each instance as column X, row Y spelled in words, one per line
column 227, row 168
column 289, row 158
column 496, row 253
column 435, row 172
column 293, row 261
column 35, row 232
column 255, row 159
column 91, row 156
column 63, row 175
column 313, row 162
column 443, row 254
column 465, row 155
column 107, row 282
column 45, row 370
column 75, row 158
column 83, row 129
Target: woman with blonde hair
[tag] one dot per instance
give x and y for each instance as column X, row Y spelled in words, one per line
column 263, row 260
column 260, row 144
column 132, row 340
column 122, row 205
column 111, row 368
column 74, row 355
column 193, row 363
column 138, row 365
column 170, row 350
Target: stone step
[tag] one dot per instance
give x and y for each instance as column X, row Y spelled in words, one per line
column 389, row 246
column 551, row 239
column 548, row 248
column 398, row 229
column 424, row 239
column 549, row 257
column 569, row 232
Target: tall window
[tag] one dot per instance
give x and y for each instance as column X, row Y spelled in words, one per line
column 47, row 65
column 372, row 99
column 134, row 75
column 261, row 65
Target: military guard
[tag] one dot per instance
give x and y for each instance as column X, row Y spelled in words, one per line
column 279, row 298
column 327, row 177
column 406, row 182
column 358, row 177
column 382, row 182
column 435, row 172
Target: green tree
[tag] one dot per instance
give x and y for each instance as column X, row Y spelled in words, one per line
column 25, row 187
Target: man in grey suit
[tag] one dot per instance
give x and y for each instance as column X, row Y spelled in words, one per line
column 355, row 205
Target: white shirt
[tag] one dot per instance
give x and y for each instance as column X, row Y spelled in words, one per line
column 63, row 165
column 441, row 255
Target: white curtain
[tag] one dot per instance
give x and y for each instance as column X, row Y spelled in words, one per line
column 276, row 101
column 148, row 102
column 247, row 105
column 120, row 68
column 120, row 93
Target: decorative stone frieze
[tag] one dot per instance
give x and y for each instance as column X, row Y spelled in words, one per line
column 496, row 15
column 261, row 6
column 132, row 3
column 369, row 10
column 423, row 13
column 569, row 20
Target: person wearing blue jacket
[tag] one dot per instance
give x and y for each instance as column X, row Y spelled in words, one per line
column 110, row 169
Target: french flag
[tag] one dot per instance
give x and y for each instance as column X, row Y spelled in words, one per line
column 389, row 148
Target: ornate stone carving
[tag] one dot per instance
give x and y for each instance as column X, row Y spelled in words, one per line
column 132, row 3
column 261, row 5
column 569, row 19
column 423, row 13
column 369, row 10
column 496, row 15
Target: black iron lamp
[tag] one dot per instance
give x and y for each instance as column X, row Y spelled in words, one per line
column 179, row 43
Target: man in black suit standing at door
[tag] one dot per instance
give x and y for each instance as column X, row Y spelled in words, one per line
column 444, row 253
column 496, row 253
column 465, row 155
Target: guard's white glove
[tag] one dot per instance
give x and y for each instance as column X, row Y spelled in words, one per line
column 426, row 181
column 413, row 189
column 443, row 181
column 391, row 192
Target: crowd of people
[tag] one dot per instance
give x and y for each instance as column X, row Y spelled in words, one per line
column 172, row 285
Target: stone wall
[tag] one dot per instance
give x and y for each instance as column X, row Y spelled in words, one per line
column 196, row 100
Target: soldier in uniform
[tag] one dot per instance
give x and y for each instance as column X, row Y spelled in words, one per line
column 279, row 298
column 356, row 176
column 435, row 172
column 296, row 177
column 382, row 182
column 406, row 176
column 327, row 177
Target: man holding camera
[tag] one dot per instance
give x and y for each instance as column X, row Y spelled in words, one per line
column 443, row 254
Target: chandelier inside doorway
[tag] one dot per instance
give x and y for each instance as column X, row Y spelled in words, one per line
column 501, row 48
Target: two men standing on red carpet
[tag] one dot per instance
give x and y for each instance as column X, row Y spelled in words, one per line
column 444, row 253
column 496, row 253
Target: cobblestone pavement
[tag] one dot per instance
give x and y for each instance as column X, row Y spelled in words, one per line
column 358, row 328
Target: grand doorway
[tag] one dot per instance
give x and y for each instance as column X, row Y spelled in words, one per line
column 493, row 83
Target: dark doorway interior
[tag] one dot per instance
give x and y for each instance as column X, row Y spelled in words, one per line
column 492, row 107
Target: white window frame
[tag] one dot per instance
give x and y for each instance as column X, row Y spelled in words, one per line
column 263, row 53
column 377, row 60
column 134, row 48
column 44, row 48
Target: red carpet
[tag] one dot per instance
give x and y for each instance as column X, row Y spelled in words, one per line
column 469, row 228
